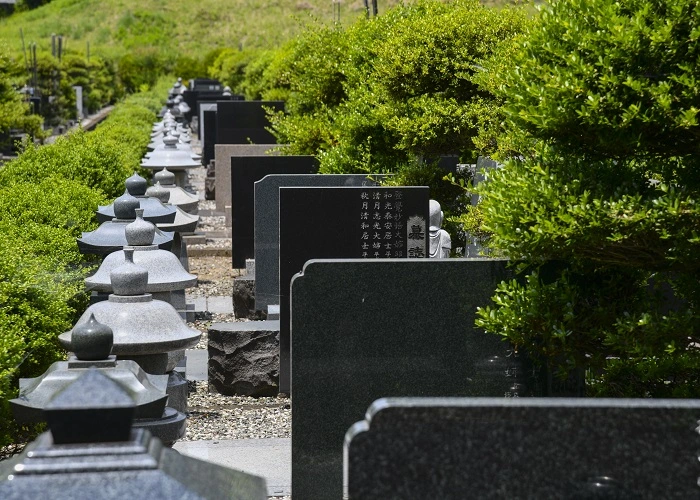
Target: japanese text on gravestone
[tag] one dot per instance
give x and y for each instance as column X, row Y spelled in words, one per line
column 383, row 226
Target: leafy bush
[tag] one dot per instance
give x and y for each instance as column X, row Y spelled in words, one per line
column 601, row 207
column 48, row 197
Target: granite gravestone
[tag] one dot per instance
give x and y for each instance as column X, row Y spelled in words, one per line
column 223, row 154
column 207, row 130
column 366, row 329
column 266, row 225
column 245, row 122
column 245, row 171
column 417, row 448
column 345, row 223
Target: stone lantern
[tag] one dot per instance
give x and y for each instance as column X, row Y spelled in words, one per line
column 91, row 345
column 184, row 224
column 172, row 158
column 153, row 209
column 167, row 278
column 145, row 330
column 111, row 236
column 178, row 197
column 92, row 450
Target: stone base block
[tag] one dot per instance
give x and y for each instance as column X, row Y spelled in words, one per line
column 244, row 358
column 244, row 298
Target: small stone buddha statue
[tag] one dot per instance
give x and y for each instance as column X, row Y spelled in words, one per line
column 440, row 241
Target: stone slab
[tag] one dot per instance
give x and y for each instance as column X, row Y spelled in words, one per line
column 245, row 122
column 196, row 365
column 417, row 448
column 223, row 154
column 266, row 225
column 268, row 458
column 207, row 129
column 344, row 223
column 245, row 171
column 366, row 329
column 214, row 304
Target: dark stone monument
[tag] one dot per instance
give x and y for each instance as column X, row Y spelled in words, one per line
column 92, row 451
column 366, row 329
column 267, row 213
column 207, row 130
column 245, row 171
column 417, row 448
column 345, row 223
column 245, row 122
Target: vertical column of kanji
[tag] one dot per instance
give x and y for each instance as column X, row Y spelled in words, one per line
column 376, row 223
column 388, row 224
column 399, row 225
column 364, row 223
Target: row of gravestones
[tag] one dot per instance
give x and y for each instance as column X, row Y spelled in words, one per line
column 354, row 329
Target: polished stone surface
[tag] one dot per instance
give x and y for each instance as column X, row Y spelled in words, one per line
column 366, row 329
column 418, row 448
column 245, row 171
column 345, row 223
column 266, row 225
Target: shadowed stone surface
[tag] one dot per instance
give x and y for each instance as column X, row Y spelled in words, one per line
column 366, row 329
column 418, row 448
column 267, row 216
column 244, row 298
column 244, row 358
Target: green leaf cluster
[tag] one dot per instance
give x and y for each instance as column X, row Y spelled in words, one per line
column 385, row 91
column 599, row 200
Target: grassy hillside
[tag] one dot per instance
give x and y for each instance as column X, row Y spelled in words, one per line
column 114, row 27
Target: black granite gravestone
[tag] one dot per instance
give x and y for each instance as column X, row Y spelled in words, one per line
column 346, row 223
column 207, row 129
column 245, row 122
column 245, row 172
column 366, row 329
column 418, row 448
column 266, row 225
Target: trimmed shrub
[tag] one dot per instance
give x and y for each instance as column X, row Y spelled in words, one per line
column 601, row 207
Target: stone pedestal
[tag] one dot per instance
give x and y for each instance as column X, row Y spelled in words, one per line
column 244, row 298
column 244, row 358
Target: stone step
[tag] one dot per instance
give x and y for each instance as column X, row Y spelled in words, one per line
column 270, row 458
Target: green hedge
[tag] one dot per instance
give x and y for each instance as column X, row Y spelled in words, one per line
column 48, row 198
column 602, row 204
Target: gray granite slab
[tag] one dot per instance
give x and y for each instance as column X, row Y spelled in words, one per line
column 366, row 329
column 418, row 448
column 267, row 214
